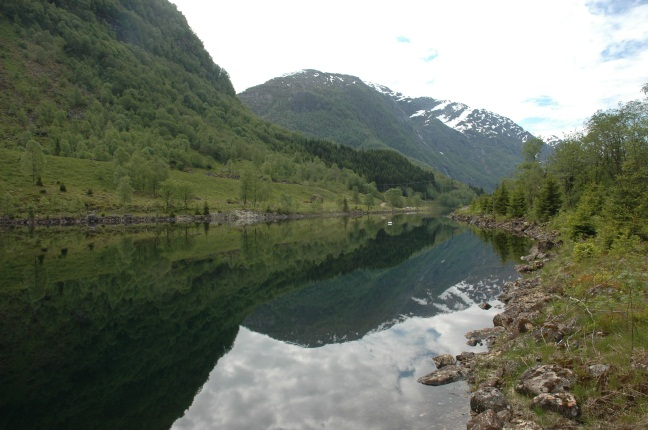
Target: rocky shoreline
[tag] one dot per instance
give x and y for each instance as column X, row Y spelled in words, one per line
column 548, row 385
column 236, row 217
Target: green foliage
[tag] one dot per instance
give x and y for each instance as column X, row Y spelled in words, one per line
column 33, row 161
column 131, row 83
column 125, row 190
column 549, row 201
column 501, row 199
column 394, row 196
column 185, row 192
column 518, row 203
column 585, row 250
column 369, row 201
column 531, row 150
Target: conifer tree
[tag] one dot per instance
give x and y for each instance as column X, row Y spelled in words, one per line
column 549, row 200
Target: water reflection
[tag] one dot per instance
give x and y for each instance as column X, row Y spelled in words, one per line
column 369, row 384
column 449, row 276
column 116, row 328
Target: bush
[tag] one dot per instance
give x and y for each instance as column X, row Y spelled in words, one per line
column 585, row 251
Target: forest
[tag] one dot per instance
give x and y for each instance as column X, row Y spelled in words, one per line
column 593, row 184
column 127, row 85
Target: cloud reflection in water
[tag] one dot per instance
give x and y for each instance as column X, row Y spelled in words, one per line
column 263, row 383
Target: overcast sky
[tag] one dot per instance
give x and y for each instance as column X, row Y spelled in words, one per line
column 546, row 64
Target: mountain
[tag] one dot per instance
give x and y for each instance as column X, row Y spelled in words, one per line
column 128, row 82
column 475, row 146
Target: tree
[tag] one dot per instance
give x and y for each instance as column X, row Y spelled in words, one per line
column 501, row 200
column 185, row 193
column 124, row 190
column 369, row 201
column 168, row 192
column 549, row 200
column 568, row 163
column 247, row 187
column 33, row 160
column 531, row 150
column 518, row 204
column 394, row 196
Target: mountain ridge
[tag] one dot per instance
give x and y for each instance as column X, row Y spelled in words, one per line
column 475, row 146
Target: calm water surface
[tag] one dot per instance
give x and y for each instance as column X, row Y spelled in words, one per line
column 299, row 325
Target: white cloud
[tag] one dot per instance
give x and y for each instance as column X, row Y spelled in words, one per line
column 498, row 55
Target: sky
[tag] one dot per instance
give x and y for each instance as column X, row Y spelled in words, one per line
column 548, row 65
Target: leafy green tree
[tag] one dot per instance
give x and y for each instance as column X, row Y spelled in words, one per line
column 185, row 192
column 355, row 198
column 394, row 196
column 569, row 164
column 369, row 201
column 247, row 187
column 124, row 190
column 32, row 160
column 531, row 150
column 168, row 192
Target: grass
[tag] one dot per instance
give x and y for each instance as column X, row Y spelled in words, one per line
column 89, row 186
column 605, row 301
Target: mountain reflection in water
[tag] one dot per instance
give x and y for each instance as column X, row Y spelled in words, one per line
column 141, row 328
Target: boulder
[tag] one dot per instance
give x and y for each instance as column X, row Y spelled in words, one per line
column 443, row 376
column 546, row 378
column 465, row 356
column 477, row 337
column 444, row 360
column 562, row 403
column 488, row 398
column 487, row 420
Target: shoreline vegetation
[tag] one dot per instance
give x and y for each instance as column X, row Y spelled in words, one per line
column 568, row 351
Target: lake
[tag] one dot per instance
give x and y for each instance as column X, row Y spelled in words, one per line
column 321, row 323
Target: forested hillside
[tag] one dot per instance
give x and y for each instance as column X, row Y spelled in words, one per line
column 129, row 84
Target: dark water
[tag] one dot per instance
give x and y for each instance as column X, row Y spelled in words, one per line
column 306, row 324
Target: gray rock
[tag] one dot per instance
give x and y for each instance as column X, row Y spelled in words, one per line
column 562, row 403
column 488, row 335
column 444, row 360
column 488, row 398
column 487, row 420
column 598, row 370
column 518, row 424
column 546, row 378
column 465, row 356
column 443, row 376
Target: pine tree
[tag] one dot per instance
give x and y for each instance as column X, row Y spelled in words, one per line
column 501, row 200
column 549, row 200
column 518, row 203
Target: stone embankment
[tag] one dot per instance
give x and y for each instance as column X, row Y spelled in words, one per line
column 546, row 385
column 236, row 217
